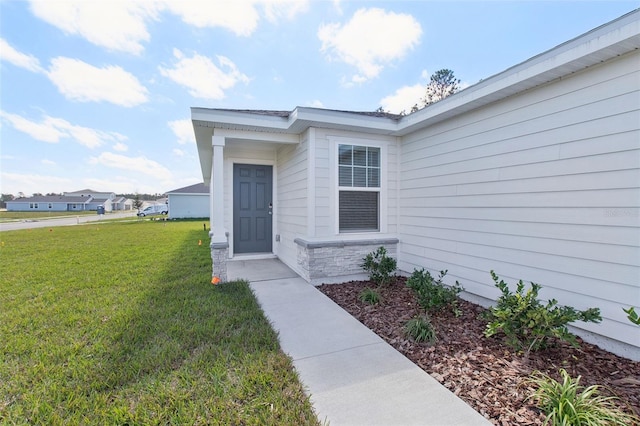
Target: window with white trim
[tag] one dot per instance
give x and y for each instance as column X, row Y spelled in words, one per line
column 358, row 188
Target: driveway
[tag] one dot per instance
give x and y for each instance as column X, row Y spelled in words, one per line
column 62, row 221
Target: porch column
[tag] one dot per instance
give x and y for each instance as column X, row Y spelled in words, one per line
column 218, row 233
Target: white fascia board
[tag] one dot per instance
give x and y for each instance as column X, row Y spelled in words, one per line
column 258, row 136
column 297, row 121
column 239, row 118
column 324, row 117
column 602, row 43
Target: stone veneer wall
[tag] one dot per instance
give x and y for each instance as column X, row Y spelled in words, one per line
column 328, row 261
column 219, row 256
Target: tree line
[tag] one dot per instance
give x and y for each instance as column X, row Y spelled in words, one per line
column 442, row 83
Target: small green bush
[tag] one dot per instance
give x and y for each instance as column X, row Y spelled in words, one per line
column 527, row 323
column 379, row 266
column 434, row 294
column 420, row 330
column 632, row 315
column 370, row 296
column 569, row 404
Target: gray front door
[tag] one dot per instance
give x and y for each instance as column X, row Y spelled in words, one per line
column 252, row 208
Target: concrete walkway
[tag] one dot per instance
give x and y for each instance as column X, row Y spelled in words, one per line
column 353, row 376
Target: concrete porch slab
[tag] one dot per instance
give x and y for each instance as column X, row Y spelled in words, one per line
column 257, row 269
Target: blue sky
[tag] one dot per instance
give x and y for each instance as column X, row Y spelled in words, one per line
column 97, row 94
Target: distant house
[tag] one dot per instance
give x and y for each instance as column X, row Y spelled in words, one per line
column 98, row 199
column 70, row 201
column 54, row 203
column 189, row 202
column 122, row 204
column 533, row 172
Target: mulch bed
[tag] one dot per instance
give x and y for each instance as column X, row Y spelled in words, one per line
column 482, row 371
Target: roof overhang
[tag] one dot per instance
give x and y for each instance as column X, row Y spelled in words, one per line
column 599, row 45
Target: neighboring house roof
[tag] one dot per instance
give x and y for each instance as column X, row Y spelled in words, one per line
column 198, row 188
column 608, row 41
column 100, row 200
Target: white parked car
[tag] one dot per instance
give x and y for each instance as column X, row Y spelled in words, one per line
column 154, row 209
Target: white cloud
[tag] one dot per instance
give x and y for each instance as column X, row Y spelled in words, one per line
column 114, row 25
column 140, row 164
column 12, row 183
column 202, row 77
column 275, row 9
column 237, row 16
column 10, row 54
column 404, row 98
column 241, row 17
column 82, row 82
column 315, row 104
column 94, row 20
column 47, row 162
column 120, row 184
column 337, row 6
column 119, row 146
column 178, row 152
column 46, row 131
column 52, row 130
column 183, row 129
column 372, row 39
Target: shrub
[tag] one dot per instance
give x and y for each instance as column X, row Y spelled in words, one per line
column 527, row 323
column 433, row 294
column 420, row 330
column 370, row 296
column 379, row 266
column 632, row 315
column 568, row 403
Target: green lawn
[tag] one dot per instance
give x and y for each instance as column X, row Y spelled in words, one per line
column 6, row 216
column 119, row 324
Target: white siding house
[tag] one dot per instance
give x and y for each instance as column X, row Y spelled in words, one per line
column 189, row 202
column 98, row 199
column 53, row 203
column 533, row 173
column 69, row 201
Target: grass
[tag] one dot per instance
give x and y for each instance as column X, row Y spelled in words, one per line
column 420, row 329
column 567, row 403
column 6, row 216
column 119, row 324
column 370, row 296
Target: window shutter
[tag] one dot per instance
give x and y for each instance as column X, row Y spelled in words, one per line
column 358, row 211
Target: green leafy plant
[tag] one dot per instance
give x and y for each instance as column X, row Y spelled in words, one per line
column 527, row 323
column 370, row 296
column 566, row 403
column 433, row 294
column 632, row 315
column 420, row 329
column 379, row 266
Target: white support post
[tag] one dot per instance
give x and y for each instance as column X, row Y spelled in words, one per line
column 219, row 243
column 218, row 231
